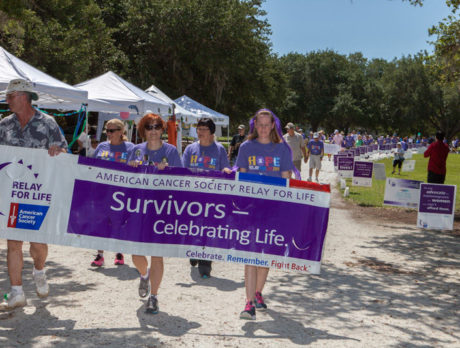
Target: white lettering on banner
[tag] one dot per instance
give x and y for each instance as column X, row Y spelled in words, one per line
column 166, row 207
column 222, row 232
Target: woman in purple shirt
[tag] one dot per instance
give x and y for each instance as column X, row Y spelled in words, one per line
column 205, row 154
column 115, row 149
column 156, row 153
column 263, row 153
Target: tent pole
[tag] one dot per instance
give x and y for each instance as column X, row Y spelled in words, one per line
column 87, row 133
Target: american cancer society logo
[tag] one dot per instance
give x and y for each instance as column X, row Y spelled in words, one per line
column 23, row 204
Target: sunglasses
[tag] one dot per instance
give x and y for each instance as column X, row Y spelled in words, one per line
column 153, row 126
column 112, row 130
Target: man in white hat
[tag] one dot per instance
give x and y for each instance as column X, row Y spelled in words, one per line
column 315, row 152
column 297, row 144
column 27, row 127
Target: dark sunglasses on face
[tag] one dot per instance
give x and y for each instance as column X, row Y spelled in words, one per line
column 153, row 126
column 112, row 130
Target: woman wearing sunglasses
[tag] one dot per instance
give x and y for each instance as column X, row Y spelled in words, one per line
column 205, row 154
column 115, row 149
column 153, row 152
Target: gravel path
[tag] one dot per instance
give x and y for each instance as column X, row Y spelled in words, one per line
column 383, row 284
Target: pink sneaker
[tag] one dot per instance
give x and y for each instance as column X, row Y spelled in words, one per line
column 98, row 261
column 260, row 303
column 119, row 259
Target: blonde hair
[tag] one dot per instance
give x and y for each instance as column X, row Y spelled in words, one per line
column 120, row 124
column 274, row 136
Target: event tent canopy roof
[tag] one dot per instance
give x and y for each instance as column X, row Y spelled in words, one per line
column 52, row 93
column 187, row 116
column 203, row 111
column 111, row 93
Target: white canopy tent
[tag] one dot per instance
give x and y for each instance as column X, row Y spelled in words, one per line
column 52, row 93
column 186, row 116
column 219, row 119
column 114, row 97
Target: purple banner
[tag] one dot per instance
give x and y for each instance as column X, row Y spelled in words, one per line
column 276, row 227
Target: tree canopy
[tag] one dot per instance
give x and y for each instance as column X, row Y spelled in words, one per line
column 221, row 56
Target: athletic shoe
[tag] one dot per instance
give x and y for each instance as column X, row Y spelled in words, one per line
column 144, row 285
column 41, row 284
column 317, row 180
column 98, row 261
column 309, row 178
column 260, row 303
column 119, row 259
column 204, row 267
column 193, row 262
column 12, row 300
column 152, row 305
column 249, row 312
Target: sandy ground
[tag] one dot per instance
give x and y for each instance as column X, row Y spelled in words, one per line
column 384, row 283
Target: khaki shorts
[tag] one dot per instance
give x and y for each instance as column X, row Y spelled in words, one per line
column 315, row 162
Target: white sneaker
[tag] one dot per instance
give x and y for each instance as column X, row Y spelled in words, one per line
column 317, row 180
column 309, row 178
column 12, row 300
column 41, row 284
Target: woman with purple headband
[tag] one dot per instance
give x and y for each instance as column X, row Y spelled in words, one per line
column 264, row 153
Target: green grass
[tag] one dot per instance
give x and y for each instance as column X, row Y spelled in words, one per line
column 373, row 196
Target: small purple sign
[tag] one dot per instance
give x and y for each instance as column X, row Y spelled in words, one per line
column 363, row 169
column 438, row 199
column 336, row 158
column 362, row 173
column 345, row 163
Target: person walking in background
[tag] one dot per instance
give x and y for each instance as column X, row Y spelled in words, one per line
column 153, row 152
column 455, row 144
column 399, row 158
column 437, row 152
column 265, row 142
column 349, row 141
column 338, row 138
column 84, row 141
column 297, row 144
column 237, row 140
column 205, row 154
column 315, row 153
column 115, row 149
column 30, row 128
column 93, row 146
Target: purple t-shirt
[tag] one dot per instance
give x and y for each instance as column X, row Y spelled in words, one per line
column 114, row 153
column 265, row 159
column 315, row 147
column 212, row 157
column 167, row 153
column 349, row 141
